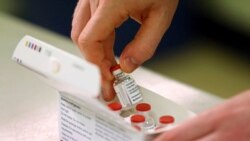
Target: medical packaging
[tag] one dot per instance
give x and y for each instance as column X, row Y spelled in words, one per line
column 82, row 115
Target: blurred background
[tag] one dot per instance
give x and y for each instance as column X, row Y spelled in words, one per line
column 207, row 45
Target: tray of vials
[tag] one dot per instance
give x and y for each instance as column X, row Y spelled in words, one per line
column 136, row 114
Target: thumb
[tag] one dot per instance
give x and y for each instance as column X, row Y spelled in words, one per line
column 143, row 46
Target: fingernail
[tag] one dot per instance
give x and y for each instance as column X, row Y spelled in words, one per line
column 130, row 64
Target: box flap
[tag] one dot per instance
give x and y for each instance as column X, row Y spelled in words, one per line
column 61, row 70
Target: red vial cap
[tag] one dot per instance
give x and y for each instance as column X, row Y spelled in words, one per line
column 166, row 119
column 143, row 107
column 115, row 106
column 114, row 68
column 137, row 118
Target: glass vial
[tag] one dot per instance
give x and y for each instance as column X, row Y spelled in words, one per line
column 145, row 110
column 116, row 107
column 166, row 121
column 137, row 121
column 126, row 88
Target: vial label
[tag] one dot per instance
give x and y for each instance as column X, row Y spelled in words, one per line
column 122, row 96
column 132, row 91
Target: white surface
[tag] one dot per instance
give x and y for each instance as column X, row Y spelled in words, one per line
column 29, row 106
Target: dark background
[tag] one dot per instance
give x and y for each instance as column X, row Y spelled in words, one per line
column 191, row 20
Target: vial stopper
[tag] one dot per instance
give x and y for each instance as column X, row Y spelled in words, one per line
column 137, row 119
column 115, row 69
column 115, row 106
column 166, row 119
column 143, row 107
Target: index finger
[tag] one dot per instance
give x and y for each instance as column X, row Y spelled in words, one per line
column 96, row 32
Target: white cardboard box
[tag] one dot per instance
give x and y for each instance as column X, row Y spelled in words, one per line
column 82, row 116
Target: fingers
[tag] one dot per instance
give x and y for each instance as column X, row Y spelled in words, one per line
column 108, row 48
column 145, row 42
column 80, row 19
column 108, row 92
column 227, row 121
column 107, row 86
column 154, row 22
column 93, row 31
column 93, row 6
column 92, row 39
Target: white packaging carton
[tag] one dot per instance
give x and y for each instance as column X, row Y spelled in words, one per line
column 83, row 116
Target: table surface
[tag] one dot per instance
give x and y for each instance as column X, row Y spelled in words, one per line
column 29, row 106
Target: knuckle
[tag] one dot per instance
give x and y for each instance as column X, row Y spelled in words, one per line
column 74, row 35
column 82, row 40
column 142, row 53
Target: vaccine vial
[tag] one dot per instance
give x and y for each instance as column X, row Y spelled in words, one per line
column 116, row 107
column 127, row 90
column 137, row 121
column 145, row 110
column 166, row 121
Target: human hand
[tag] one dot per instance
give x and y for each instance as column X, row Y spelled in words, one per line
column 229, row 121
column 93, row 30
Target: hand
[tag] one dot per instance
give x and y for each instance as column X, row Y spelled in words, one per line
column 93, row 30
column 229, row 121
